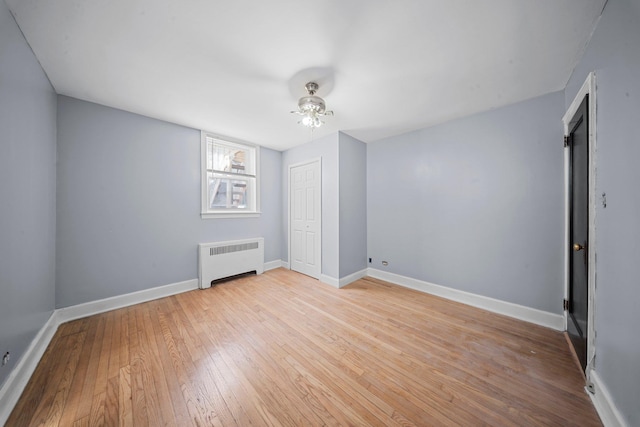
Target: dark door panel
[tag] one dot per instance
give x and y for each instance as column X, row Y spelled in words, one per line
column 577, row 325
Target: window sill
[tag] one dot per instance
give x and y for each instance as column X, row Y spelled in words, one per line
column 214, row 215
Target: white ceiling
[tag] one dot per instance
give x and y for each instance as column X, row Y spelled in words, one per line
column 237, row 67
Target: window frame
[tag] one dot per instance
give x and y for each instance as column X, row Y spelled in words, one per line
column 207, row 213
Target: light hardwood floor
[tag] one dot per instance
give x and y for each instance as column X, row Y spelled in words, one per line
column 284, row 349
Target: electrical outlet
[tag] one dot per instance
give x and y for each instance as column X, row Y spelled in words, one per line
column 369, row 260
column 5, row 358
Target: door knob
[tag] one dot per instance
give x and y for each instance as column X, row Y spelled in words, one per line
column 577, row 247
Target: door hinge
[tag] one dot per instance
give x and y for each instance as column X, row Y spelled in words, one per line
column 566, row 141
column 565, row 305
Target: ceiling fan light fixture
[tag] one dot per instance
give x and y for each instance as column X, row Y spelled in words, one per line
column 312, row 108
column 311, row 121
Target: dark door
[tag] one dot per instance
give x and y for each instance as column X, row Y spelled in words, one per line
column 577, row 325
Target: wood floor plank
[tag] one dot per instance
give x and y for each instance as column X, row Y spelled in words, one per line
column 171, row 386
column 49, row 409
column 75, row 392
column 203, row 394
column 282, row 349
column 115, row 320
column 183, row 371
column 137, row 354
column 125, row 411
column 158, row 378
column 96, row 418
column 83, row 408
column 196, row 312
column 147, row 392
column 262, row 366
column 82, row 422
column 112, row 401
column 123, row 354
column 253, row 401
column 56, row 408
column 40, row 383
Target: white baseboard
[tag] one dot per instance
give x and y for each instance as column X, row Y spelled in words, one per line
column 100, row 306
column 341, row 283
column 352, row 278
column 19, row 377
column 285, row 264
column 271, row 265
column 528, row 314
column 330, row 280
column 607, row 410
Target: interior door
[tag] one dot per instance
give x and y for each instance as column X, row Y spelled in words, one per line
column 305, row 218
column 578, row 299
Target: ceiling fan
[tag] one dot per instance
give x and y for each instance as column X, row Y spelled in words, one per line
column 312, row 108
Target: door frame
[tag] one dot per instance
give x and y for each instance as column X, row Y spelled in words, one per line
column 319, row 244
column 588, row 88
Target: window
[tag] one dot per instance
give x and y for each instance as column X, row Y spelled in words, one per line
column 229, row 178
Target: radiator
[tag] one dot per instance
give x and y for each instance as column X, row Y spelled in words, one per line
column 224, row 259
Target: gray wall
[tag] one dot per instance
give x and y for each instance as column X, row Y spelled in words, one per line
column 129, row 203
column 475, row 204
column 614, row 55
column 27, row 191
column 353, row 204
column 327, row 149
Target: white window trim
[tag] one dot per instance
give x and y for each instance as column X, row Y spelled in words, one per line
column 205, row 213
